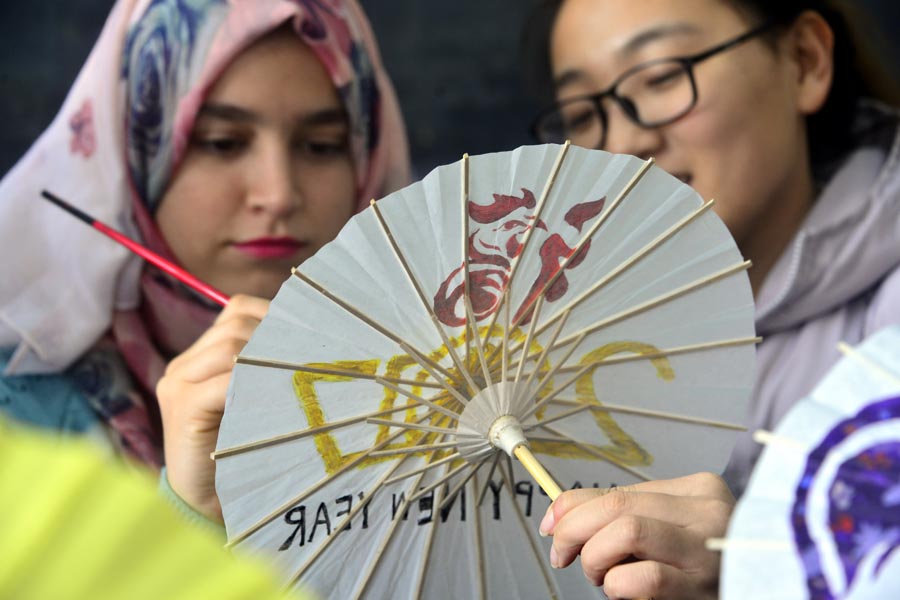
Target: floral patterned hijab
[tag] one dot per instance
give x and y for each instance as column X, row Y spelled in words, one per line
column 112, row 150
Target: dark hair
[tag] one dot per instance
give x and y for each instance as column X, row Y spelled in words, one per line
column 830, row 131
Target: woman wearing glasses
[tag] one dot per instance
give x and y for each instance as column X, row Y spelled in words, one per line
column 758, row 105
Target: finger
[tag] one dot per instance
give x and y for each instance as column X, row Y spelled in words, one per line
column 207, row 362
column 238, row 326
column 251, row 306
column 639, row 537
column 200, row 404
column 583, row 521
column 706, row 485
column 566, row 502
column 239, row 318
column 651, row 579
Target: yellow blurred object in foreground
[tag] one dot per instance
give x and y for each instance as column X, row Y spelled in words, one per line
column 74, row 526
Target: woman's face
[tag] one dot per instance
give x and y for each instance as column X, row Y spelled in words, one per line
column 742, row 144
column 267, row 178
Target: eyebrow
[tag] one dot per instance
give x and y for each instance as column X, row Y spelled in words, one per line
column 230, row 112
column 655, row 33
column 632, row 46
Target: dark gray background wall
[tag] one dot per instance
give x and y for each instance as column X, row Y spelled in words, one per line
column 455, row 66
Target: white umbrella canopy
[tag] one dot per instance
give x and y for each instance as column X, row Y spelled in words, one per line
column 357, row 447
column 821, row 516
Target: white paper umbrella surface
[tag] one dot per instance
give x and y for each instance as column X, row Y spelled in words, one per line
column 641, row 354
column 821, row 515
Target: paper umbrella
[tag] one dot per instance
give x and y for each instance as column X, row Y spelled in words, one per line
column 581, row 310
column 821, row 516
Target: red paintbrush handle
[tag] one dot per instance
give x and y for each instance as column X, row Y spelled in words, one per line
column 179, row 274
column 151, row 257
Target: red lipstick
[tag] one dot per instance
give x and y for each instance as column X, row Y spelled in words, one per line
column 270, row 247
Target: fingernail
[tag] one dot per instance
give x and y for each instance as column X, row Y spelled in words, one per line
column 547, row 522
column 554, row 559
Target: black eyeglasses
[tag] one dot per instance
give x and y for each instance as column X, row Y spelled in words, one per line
column 651, row 94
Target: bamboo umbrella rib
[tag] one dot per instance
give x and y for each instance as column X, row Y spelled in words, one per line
column 755, row 545
column 450, row 474
column 415, row 449
column 558, row 417
column 761, row 436
column 423, row 401
column 386, row 540
column 296, row 435
column 487, row 482
column 639, row 174
column 538, row 211
column 600, row 455
column 453, row 492
column 555, row 392
column 627, row 264
column 479, row 542
column 423, row 361
column 240, row 537
column 417, row 427
column 530, row 336
column 392, row 241
column 665, row 353
column 383, row 546
column 429, row 541
column 368, row 321
column 653, row 414
column 289, row 366
column 526, row 529
column 464, row 192
column 547, row 438
column 546, row 349
column 873, row 366
column 504, row 356
column 552, row 373
column 427, row 467
column 479, row 348
column 658, row 301
column 380, row 483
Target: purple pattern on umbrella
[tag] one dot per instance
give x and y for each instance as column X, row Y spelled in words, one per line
column 863, row 501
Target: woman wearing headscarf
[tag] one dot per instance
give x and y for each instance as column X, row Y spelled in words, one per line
column 234, row 139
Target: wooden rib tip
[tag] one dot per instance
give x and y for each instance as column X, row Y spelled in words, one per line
column 762, row 436
column 372, row 202
column 715, row 544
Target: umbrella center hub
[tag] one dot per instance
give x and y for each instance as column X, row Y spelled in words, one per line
column 506, row 434
column 493, row 419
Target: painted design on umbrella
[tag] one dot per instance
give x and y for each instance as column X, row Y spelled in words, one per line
column 622, row 449
column 492, row 250
column 863, row 499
